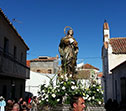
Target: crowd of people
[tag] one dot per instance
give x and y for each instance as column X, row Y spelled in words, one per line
column 22, row 104
column 77, row 104
column 30, row 104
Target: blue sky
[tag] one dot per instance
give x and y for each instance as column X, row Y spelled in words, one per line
column 41, row 24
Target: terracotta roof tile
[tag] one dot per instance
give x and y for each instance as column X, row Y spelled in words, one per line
column 7, row 20
column 48, row 59
column 118, row 45
column 100, row 74
column 28, row 63
column 88, row 66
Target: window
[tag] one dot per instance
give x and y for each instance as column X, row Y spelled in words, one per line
column 38, row 70
column 49, row 71
column 22, row 57
column 6, row 46
column 15, row 52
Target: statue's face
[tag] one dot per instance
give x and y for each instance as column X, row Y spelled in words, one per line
column 70, row 32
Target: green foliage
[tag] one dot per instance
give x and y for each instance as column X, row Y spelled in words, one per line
column 65, row 88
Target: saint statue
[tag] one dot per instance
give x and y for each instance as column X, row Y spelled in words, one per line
column 68, row 49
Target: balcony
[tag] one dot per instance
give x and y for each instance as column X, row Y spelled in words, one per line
column 9, row 66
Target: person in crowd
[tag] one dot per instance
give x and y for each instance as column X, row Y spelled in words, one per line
column 34, row 104
column 9, row 105
column 108, row 105
column 30, row 100
column 24, row 105
column 77, row 103
column 2, row 103
column 20, row 101
column 16, row 107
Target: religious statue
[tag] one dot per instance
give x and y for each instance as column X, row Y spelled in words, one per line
column 68, row 49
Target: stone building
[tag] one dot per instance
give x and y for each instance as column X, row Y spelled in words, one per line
column 13, row 69
column 113, row 54
column 44, row 64
column 86, row 72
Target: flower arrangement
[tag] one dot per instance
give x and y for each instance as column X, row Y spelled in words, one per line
column 66, row 87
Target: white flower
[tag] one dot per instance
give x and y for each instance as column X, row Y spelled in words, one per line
column 93, row 97
column 70, row 75
column 43, row 99
column 58, row 100
column 66, row 94
column 61, row 76
column 89, row 98
column 46, row 96
column 72, row 82
column 53, row 95
column 102, row 92
column 47, row 100
column 43, row 91
column 99, row 102
column 94, row 85
column 98, row 90
column 63, row 88
column 66, row 78
column 72, row 87
column 85, row 98
column 46, row 86
column 58, row 90
column 65, row 75
column 54, row 87
column 87, row 95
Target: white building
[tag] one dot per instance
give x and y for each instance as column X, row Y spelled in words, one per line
column 113, row 54
column 36, row 80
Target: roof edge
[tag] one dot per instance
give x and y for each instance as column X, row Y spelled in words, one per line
column 10, row 24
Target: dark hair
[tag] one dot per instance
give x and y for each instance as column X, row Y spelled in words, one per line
column 74, row 99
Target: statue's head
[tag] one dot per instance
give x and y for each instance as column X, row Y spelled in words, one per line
column 70, row 32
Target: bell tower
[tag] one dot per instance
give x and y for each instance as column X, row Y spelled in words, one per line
column 106, row 34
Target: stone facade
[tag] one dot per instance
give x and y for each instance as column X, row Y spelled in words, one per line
column 13, row 69
column 44, row 64
column 85, row 72
column 67, row 107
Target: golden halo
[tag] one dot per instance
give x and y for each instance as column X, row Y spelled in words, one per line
column 65, row 29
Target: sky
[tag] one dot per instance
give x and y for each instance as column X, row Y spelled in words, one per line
column 41, row 24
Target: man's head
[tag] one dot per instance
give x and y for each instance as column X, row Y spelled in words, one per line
column 16, row 107
column 77, row 103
